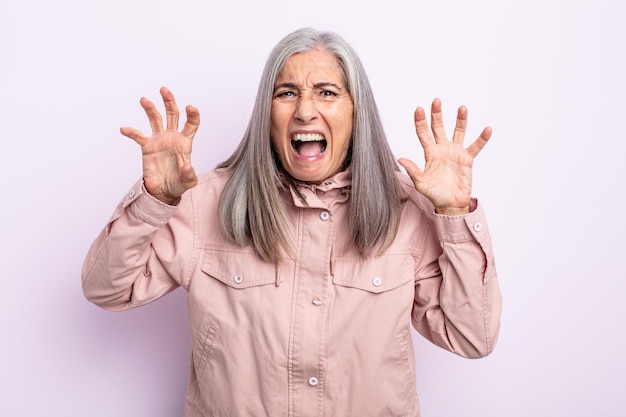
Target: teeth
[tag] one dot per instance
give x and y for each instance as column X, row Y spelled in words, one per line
column 307, row 137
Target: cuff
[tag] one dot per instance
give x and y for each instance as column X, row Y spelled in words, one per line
column 462, row 228
column 147, row 208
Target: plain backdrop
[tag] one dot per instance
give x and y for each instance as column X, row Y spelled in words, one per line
column 549, row 76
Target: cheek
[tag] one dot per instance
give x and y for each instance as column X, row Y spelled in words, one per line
column 344, row 124
column 347, row 140
column 278, row 125
column 275, row 131
column 277, row 146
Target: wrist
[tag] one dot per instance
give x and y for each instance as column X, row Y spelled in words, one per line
column 165, row 199
column 168, row 200
column 452, row 211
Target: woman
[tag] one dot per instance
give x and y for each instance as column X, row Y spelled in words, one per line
column 307, row 254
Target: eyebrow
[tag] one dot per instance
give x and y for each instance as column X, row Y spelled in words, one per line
column 318, row 85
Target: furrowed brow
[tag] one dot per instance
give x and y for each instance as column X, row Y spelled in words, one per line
column 328, row 84
column 284, row 85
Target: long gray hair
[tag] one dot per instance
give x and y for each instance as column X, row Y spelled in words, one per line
column 251, row 207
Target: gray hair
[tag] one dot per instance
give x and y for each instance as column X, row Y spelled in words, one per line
column 250, row 207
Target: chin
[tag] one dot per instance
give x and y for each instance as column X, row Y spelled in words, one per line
column 310, row 179
column 307, row 177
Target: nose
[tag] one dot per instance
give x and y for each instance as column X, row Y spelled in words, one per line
column 306, row 109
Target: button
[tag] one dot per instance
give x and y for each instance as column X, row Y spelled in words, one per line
column 324, row 215
column 238, row 279
column 377, row 282
column 313, row 381
column 478, row 226
column 317, row 301
column 131, row 194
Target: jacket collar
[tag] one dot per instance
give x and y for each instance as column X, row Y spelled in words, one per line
column 342, row 181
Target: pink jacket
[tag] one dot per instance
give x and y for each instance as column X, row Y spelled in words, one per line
column 324, row 334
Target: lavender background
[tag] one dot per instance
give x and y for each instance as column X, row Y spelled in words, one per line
column 547, row 75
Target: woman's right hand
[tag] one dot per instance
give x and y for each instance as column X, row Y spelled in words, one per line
column 166, row 154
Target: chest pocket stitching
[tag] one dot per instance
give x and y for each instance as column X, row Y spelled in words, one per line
column 393, row 270
column 224, row 266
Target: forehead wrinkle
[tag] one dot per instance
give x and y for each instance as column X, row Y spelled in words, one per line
column 284, row 85
column 327, row 84
column 293, row 80
column 321, row 84
column 309, row 70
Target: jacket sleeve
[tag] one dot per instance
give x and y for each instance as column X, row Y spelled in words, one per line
column 457, row 297
column 141, row 254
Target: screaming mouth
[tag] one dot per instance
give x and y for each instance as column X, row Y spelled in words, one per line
column 308, row 144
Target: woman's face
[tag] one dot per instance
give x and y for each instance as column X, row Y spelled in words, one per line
column 311, row 116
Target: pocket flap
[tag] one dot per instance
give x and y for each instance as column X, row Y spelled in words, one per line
column 238, row 269
column 376, row 274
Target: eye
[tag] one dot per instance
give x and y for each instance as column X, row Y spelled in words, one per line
column 327, row 93
column 285, row 94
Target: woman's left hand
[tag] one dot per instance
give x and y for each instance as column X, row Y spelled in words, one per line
column 447, row 177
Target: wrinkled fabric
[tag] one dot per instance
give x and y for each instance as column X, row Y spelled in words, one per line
column 324, row 333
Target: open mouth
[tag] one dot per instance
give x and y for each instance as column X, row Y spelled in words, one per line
column 308, row 144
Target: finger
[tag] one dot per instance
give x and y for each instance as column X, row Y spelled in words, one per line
column 192, row 123
column 421, row 128
column 134, row 134
column 411, row 168
column 171, row 109
column 154, row 117
column 437, row 121
column 474, row 149
column 461, row 125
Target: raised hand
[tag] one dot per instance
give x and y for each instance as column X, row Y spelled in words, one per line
column 166, row 154
column 447, row 176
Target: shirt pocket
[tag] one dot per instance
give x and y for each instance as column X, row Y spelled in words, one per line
column 238, row 269
column 243, row 325
column 377, row 274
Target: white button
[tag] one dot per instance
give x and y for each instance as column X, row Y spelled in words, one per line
column 131, row 194
column 317, row 301
column 313, row 381
column 324, row 215
column 478, row 227
column 377, row 282
column 238, row 279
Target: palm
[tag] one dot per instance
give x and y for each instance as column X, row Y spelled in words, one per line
column 167, row 169
column 447, row 176
column 165, row 158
